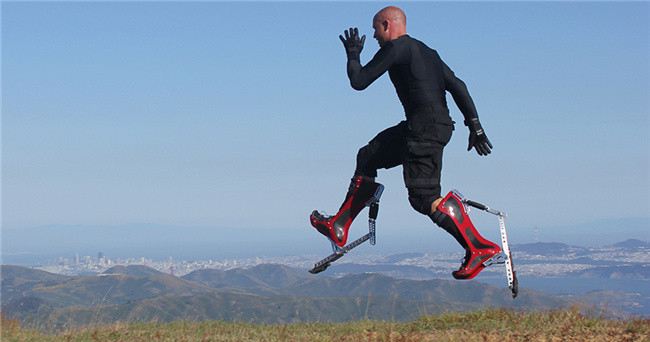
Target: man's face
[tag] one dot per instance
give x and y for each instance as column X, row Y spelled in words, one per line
column 381, row 31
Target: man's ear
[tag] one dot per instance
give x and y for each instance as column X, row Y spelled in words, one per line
column 384, row 25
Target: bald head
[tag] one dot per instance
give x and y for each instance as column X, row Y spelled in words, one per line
column 389, row 24
column 393, row 14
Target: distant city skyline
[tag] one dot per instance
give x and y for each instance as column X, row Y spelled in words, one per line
column 239, row 118
column 33, row 247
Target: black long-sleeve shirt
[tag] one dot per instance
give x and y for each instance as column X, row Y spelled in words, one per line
column 418, row 74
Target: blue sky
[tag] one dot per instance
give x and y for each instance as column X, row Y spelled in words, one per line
column 240, row 115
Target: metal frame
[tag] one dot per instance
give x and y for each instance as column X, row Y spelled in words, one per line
column 505, row 257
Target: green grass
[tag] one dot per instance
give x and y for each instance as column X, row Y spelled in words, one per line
column 484, row 325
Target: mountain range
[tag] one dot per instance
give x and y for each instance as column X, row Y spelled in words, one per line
column 267, row 293
column 397, row 287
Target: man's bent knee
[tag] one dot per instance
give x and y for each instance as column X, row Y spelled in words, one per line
column 422, row 204
column 423, row 199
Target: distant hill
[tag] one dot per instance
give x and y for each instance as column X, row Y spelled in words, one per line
column 11, row 273
column 276, row 276
column 265, row 276
column 17, row 280
column 113, row 289
column 632, row 243
column 134, row 270
column 637, row 272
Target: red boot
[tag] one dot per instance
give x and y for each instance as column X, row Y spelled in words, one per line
column 451, row 215
column 362, row 193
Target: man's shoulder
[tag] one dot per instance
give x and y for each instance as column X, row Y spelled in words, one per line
column 419, row 42
column 407, row 40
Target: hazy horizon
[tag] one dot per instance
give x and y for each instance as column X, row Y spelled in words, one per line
column 35, row 245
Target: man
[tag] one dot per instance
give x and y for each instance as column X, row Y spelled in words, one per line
column 420, row 78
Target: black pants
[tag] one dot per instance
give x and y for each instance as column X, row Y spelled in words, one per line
column 417, row 145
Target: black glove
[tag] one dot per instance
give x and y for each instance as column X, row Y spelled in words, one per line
column 353, row 45
column 477, row 137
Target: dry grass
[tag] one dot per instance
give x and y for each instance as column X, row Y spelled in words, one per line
column 485, row 325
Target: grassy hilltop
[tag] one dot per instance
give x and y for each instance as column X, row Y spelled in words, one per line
column 485, row 325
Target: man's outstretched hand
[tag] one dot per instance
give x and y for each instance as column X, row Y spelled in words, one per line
column 353, row 45
column 477, row 138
